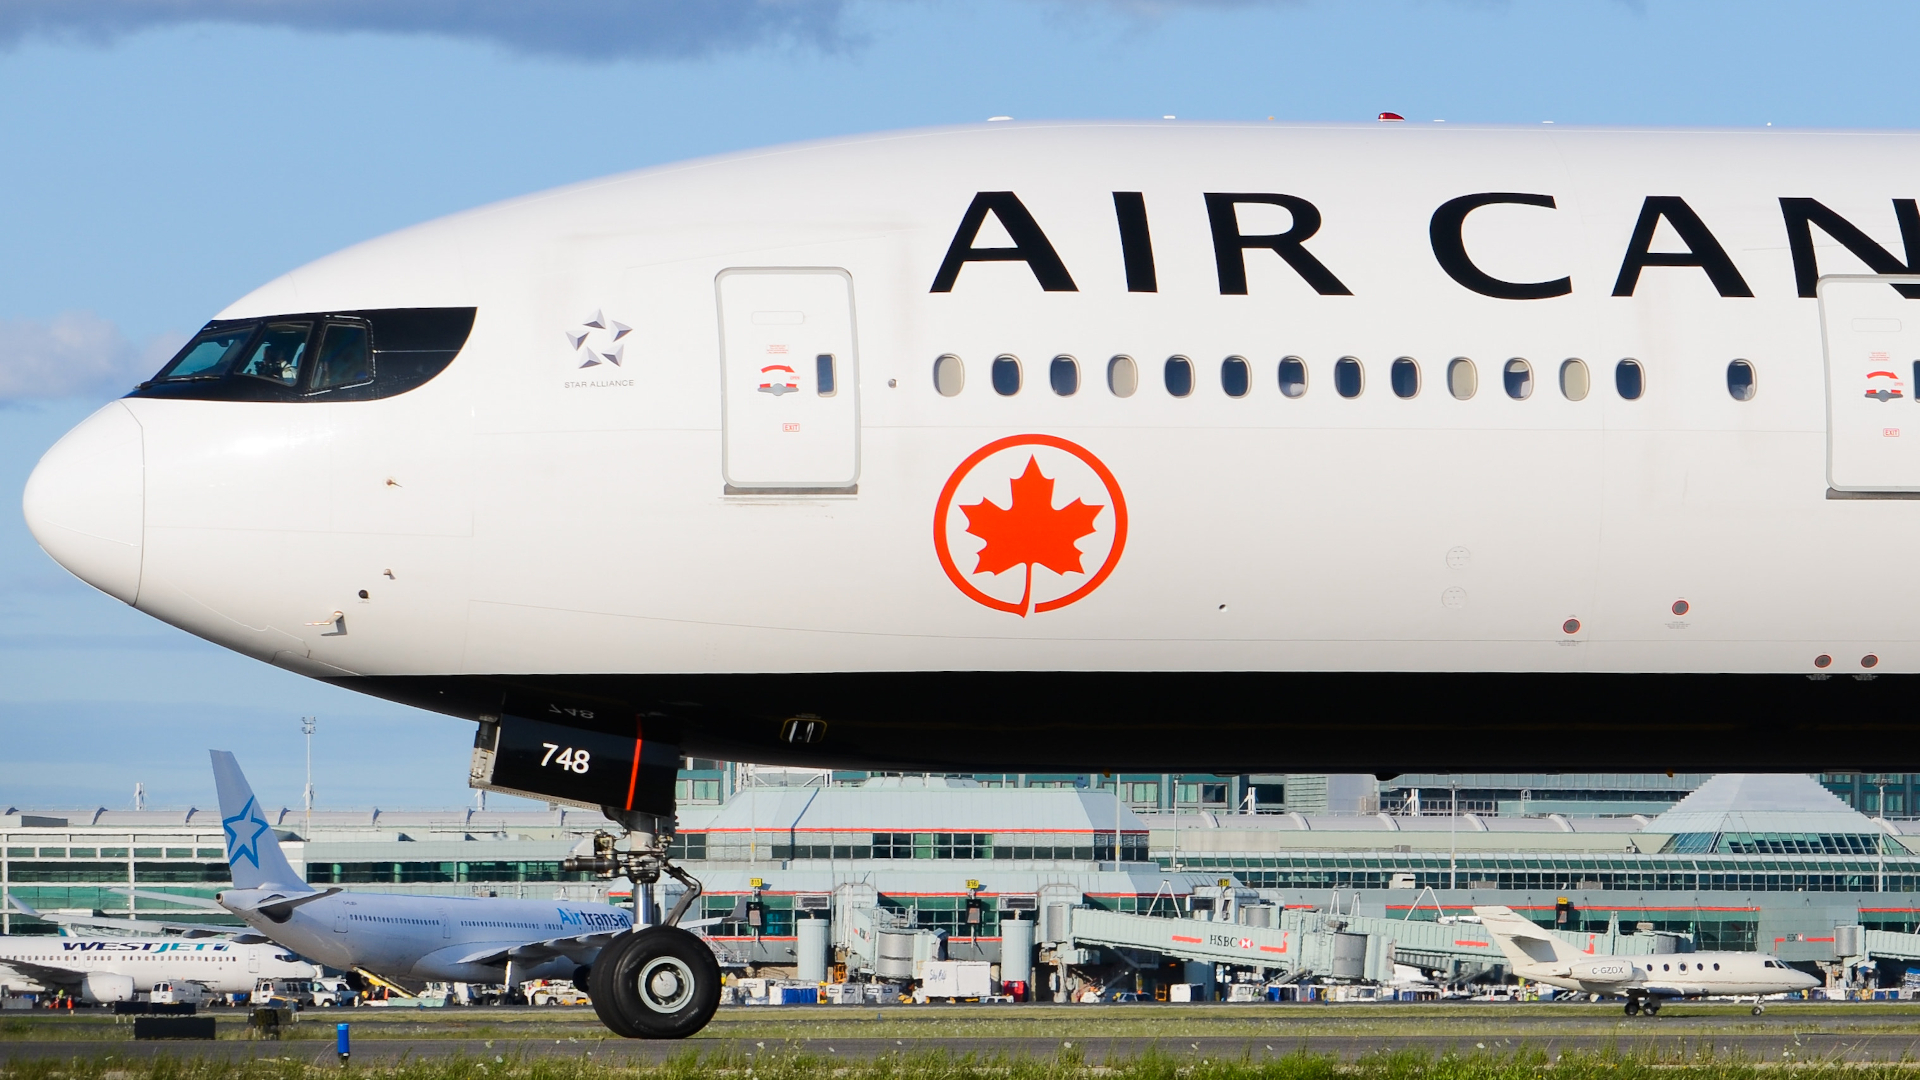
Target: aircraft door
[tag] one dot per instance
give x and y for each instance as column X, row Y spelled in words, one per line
column 789, row 378
column 253, row 961
column 1872, row 339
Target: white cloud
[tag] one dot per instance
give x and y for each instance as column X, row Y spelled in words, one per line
column 75, row 354
column 589, row 29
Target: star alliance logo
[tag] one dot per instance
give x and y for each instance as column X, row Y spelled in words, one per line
column 250, row 847
column 597, row 341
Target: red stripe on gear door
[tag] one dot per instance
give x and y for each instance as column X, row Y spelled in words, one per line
column 633, row 778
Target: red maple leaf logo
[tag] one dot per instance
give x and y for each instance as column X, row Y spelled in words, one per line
column 1030, row 530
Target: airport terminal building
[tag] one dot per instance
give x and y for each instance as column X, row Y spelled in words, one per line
column 1772, row 862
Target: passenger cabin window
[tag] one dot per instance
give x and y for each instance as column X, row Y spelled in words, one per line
column 1064, row 375
column 1629, row 380
column 1574, row 382
column 1235, row 379
column 949, row 375
column 1123, row 376
column 1519, row 379
column 345, row 358
column 1348, row 377
column 1740, row 380
column 1463, row 380
column 1005, row 376
column 823, row 375
column 278, row 354
column 1179, row 376
column 1293, row 376
column 1405, row 377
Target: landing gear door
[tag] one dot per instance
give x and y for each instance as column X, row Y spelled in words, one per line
column 1872, row 339
column 790, row 383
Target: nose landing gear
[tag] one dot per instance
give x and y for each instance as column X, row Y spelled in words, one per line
column 653, row 982
column 656, row 983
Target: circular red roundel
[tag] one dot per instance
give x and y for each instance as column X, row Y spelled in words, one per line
column 1030, row 523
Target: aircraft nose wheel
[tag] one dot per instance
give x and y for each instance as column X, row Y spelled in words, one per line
column 666, row 984
column 1758, row 1009
column 658, row 983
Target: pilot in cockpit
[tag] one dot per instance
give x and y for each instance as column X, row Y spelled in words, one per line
column 277, row 357
column 276, row 362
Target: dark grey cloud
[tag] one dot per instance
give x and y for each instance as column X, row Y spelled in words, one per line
column 591, row 29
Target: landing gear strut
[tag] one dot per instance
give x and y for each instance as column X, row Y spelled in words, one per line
column 653, row 982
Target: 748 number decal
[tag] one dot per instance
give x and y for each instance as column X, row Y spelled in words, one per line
column 568, row 757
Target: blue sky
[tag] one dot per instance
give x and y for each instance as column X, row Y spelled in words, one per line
column 159, row 158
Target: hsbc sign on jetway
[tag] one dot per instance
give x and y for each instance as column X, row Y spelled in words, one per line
column 1227, row 943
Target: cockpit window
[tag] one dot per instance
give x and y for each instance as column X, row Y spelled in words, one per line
column 345, row 359
column 277, row 356
column 208, row 355
column 358, row 355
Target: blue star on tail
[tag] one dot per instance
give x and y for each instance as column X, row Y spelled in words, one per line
column 248, row 848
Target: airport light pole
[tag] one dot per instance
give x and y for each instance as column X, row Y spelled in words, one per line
column 1880, row 839
column 306, row 728
column 1453, row 835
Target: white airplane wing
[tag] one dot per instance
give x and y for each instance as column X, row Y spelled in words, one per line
column 240, row 934
column 49, row 975
column 573, row 946
column 551, row 947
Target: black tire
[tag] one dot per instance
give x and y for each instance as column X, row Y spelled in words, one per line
column 1633, row 1007
column 1758, row 1009
column 1652, row 1008
column 664, row 985
column 600, row 990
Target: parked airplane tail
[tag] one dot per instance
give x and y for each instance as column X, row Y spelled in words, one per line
column 253, row 851
column 1526, row 943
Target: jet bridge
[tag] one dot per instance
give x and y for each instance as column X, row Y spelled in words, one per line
column 1324, row 943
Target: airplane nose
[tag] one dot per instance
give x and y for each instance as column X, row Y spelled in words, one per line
column 86, row 502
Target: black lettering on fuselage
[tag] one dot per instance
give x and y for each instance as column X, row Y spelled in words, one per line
column 1702, row 251
column 1230, row 245
column 1030, row 245
column 1803, row 214
column 1136, row 242
column 1450, row 248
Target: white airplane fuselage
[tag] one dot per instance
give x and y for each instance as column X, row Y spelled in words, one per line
column 1329, row 431
column 428, row 937
column 221, row 967
column 1675, row 975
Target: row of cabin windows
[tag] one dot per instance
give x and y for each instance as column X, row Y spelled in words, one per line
column 1349, row 377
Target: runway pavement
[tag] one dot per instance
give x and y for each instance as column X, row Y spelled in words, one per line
column 1094, row 1034
column 1784, row 1047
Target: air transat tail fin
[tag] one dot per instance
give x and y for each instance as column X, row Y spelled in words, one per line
column 253, row 851
column 1526, row 943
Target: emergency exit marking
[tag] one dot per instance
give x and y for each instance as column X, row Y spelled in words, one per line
column 789, row 427
column 1890, row 432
